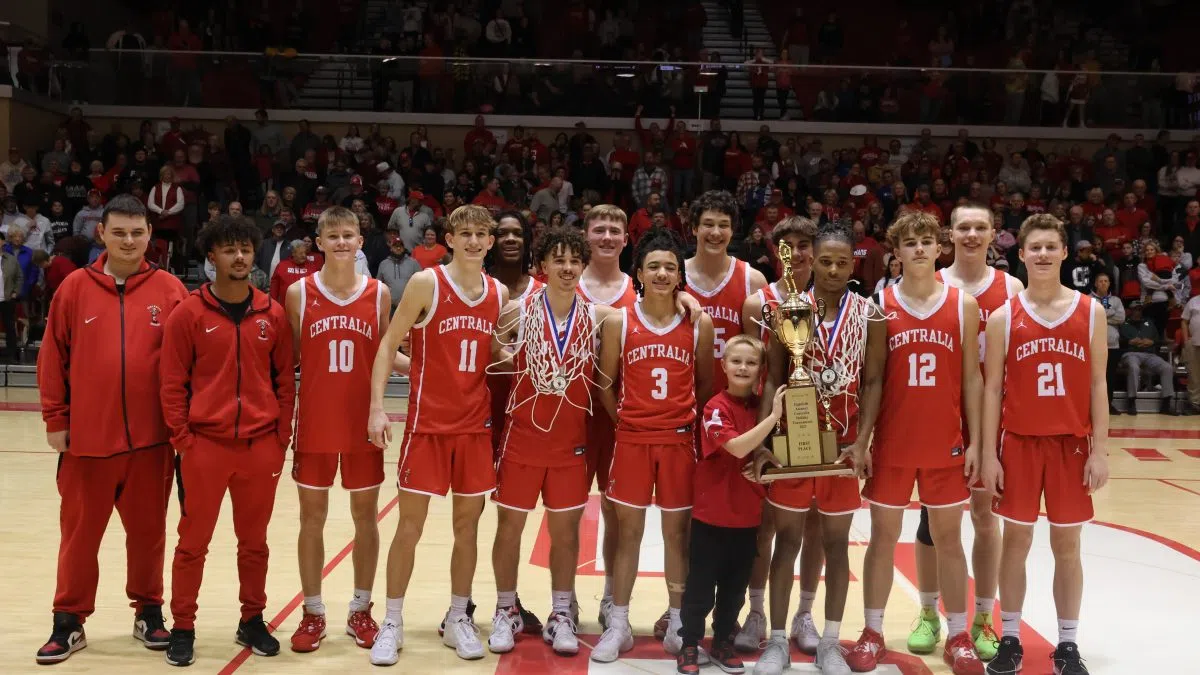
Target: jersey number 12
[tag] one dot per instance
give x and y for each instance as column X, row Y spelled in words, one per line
column 920, row 370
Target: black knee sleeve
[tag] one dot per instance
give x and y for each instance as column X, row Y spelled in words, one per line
column 923, row 528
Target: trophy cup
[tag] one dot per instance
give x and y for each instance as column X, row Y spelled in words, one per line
column 804, row 447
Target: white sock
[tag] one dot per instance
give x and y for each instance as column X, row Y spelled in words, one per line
column 560, row 601
column 395, row 610
column 674, row 614
column 874, row 619
column 458, row 606
column 1010, row 623
column 361, row 601
column 984, row 605
column 1067, row 630
column 778, row 635
column 506, row 599
column 314, row 605
column 608, row 587
column 833, row 630
column 929, row 600
column 806, row 601
column 618, row 615
column 757, row 595
column 957, row 622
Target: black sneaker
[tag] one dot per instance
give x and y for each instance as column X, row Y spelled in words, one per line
column 150, row 628
column 181, row 649
column 255, row 635
column 533, row 625
column 1067, row 661
column 1008, row 657
column 66, row 638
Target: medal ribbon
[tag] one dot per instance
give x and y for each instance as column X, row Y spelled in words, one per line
column 560, row 343
column 830, row 337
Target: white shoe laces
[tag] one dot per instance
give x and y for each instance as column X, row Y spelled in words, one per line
column 387, row 636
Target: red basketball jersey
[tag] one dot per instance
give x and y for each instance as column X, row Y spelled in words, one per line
column 546, row 429
column 451, row 347
column 769, row 296
column 499, row 384
column 724, row 304
column 624, row 298
column 657, row 402
column 843, row 406
column 1047, row 371
column 990, row 296
column 920, row 413
column 338, row 342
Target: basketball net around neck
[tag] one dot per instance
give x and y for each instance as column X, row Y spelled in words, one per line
column 841, row 350
column 550, row 371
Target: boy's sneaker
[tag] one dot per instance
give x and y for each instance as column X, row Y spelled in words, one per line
column 309, row 633
column 181, row 649
column 984, row 636
column 831, row 659
column 504, row 621
column 559, row 633
column 531, row 624
column 253, row 633
column 804, row 632
column 66, row 638
column 752, row 634
column 725, row 658
column 672, row 642
column 775, row 659
column 960, row 655
column 688, row 661
column 927, row 632
column 1067, row 660
column 660, row 626
column 866, row 653
column 149, row 627
column 364, row 629
column 613, row 641
column 1008, row 659
column 463, row 635
column 389, row 640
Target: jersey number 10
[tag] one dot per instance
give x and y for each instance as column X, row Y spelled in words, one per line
column 341, row 356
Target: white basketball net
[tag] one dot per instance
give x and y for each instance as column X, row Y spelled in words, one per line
column 550, row 375
column 846, row 358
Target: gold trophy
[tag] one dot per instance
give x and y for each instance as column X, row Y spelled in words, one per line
column 804, row 447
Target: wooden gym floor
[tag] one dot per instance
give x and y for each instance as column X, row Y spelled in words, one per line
column 1141, row 563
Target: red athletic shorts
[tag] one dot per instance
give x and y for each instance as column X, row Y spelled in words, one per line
column 563, row 488
column 892, row 486
column 601, row 438
column 1050, row 466
column 663, row 470
column 835, row 495
column 435, row 464
column 360, row 470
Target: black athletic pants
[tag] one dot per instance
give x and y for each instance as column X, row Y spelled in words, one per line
column 719, row 564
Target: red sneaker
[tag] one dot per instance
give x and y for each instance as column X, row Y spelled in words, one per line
column 960, row 655
column 867, row 652
column 362, row 627
column 660, row 626
column 309, row 633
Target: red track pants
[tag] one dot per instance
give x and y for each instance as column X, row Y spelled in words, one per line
column 138, row 484
column 249, row 470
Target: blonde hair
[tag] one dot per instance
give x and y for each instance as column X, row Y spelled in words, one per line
column 335, row 216
column 751, row 342
column 1041, row 221
column 913, row 224
column 470, row 214
column 606, row 212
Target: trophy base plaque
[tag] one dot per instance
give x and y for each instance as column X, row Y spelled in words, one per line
column 805, row 450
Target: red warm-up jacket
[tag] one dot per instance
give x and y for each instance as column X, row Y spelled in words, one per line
column 225, row 380
column 98, row 366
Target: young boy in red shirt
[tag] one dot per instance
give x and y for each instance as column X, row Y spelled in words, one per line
column 727, row 507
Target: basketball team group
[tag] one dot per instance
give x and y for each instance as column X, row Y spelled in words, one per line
column 540, row 368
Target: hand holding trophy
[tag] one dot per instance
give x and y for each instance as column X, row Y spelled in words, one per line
column 804, row 447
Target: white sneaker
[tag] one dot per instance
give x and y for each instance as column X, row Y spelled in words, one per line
column 831, row 659
column 463, row 635
column 605, row 607
column 775, row 658
column 804, row 632
column 559, row 633
column 504, row 623
column 752, row 634
column 388, row 642
column 613, row 641
column 672, row 642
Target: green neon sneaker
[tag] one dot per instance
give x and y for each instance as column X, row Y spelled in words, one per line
column 927, row 632
column 984, row 635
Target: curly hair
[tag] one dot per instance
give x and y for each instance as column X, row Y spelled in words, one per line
column 227, row 230
column 833, row 232
column 713, row 200
column 658, row 239
column 569, row 238
column 527, row 257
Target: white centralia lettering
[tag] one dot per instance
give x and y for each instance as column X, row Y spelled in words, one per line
column 1051, row 344
column 658, row 351
column 474, row 323
column 341, row 322
column 922, row 335
column 720, row 313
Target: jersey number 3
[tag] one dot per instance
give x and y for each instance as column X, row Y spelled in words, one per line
column 1050, row 380
column 660, row 384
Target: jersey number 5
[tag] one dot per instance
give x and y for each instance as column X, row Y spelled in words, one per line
column 718, row 343
column 660, row 384
column 920, row 370
column 1050, row 380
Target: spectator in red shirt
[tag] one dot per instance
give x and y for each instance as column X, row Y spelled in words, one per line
column 430, row 252
column 479, row 133
column 626, row 156
column 295, row 268
column 185, row 77
column 314, row 209
column 1112, row 232
column 760, row 77
column 642, row 220
column 869, row 153
column 683, row 148
column 1095, row 206
column 55, row 269
column 491, row 198
column 1130, row 216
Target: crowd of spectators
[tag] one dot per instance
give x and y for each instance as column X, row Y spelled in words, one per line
column 1130, row 206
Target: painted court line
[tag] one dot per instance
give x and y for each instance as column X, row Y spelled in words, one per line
column 1185, row 489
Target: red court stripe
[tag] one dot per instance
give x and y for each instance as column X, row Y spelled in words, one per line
column 1154, row 433
column 277, row 621
column 1194, row 454
column 1147, row 455
column 1185, row 489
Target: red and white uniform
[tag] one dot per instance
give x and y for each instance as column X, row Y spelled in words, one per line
column 1045, row 417
column 834, row 495
column 769, row 297
column 921, row 381
column 499, row 383
column 600, row 427
column 447, row 442
column 544, row 447
column 724, row 304
column 655, row 445
column 338, row 342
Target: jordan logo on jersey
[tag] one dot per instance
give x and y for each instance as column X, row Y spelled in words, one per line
column 351, row 323
column 938, row 337
column 1051, row 344
column 465, row 323
column 658, row 351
